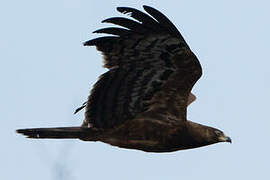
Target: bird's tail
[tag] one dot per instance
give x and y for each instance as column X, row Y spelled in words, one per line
column 60, row 133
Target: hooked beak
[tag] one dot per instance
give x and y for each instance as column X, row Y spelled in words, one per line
column 228, row 139
column 225, row 139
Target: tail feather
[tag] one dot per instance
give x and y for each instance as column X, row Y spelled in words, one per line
column 58, row 132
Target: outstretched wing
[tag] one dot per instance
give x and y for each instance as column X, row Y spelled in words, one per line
column 151, row 69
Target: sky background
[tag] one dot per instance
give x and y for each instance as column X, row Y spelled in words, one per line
column 46, row 73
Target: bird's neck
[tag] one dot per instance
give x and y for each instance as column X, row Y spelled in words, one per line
column 199, row 133
column 195, row 135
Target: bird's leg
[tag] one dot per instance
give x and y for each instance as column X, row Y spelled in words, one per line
column 191, row 98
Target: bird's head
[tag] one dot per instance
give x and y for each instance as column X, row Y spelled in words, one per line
column 219, row 136
column 206, row 135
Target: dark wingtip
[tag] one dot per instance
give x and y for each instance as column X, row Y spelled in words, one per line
column 120, row 9
column 124, row 10
column 100, row 40
column 145, row 7
column 106, row 20
column 91, row 42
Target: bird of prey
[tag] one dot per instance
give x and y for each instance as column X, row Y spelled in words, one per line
column 141, row 101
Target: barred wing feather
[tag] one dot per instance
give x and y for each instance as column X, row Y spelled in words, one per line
column 151, row 69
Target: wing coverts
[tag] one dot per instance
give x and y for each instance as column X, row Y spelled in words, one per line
column 139, row 58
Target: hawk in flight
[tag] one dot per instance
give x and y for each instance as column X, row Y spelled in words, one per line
column 141, row 101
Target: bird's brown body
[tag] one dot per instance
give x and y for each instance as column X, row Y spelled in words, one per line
column 143, row 135
column 141, row 102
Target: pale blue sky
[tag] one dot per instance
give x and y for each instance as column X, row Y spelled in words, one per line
column 46, row 74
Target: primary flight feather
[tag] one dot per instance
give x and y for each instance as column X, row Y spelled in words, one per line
column 141, row 101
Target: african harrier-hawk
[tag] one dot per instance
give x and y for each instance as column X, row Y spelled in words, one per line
column 141, row 101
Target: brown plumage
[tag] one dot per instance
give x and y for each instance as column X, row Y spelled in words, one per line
column 141, row 102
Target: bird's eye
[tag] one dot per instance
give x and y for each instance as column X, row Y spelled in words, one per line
column 218, row 133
